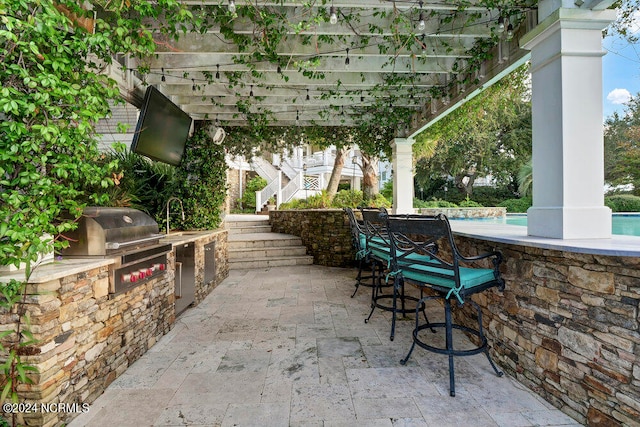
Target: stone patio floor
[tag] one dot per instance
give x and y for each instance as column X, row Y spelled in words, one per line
column 287, row 346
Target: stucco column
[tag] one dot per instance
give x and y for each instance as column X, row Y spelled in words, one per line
column 402, row 161
column 568, row 153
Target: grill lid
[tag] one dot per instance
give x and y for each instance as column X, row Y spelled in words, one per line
column 107, row 230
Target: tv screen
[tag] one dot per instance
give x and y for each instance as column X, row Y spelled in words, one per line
column 162, row 129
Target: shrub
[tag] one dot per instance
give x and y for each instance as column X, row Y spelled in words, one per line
column 249, row 196
column 417, row 203
column 319, row 201
column 517, row 205
column 201, row 181
column 492, row 196
column 623, row 203
column 387, row 190
column 142, row 183
column 467, row 203
column 379, row 202
column 347, row 198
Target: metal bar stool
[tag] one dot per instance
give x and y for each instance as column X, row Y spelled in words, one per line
column 378, row 245
column 413, row 261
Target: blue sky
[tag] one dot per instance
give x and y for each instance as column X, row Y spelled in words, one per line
column 621, row 74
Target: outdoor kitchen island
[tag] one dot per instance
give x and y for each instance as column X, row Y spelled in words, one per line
column 88, row 335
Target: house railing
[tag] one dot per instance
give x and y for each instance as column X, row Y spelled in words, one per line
column 291, row 189
column 287, row 168
column 271, row 190
column 264, row 169
column 312, row 182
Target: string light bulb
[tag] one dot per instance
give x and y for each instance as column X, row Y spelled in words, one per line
column 217, row 71
column 279, row 70
column 163, row 78
column 251, row 91
column 509, row 31
column 501, row 24
column 297, row 117
column 308, row 97
column 333, row 15
column 193, row 88
column 347, row 61
column 232, row 6
column 421, row 24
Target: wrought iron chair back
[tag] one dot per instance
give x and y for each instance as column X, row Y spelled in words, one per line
column 358, row 238
column 357, row 234
column 426, row 235
column 377, row 239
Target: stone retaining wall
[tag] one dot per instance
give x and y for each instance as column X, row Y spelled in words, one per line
column 325, row 233
column 567, row 326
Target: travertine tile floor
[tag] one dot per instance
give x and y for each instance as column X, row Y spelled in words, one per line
column 287, row 346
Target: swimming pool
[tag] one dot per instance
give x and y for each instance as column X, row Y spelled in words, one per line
column 622, row 223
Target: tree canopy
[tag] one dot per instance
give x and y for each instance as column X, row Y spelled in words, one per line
column 622, row 146
column 489, row 135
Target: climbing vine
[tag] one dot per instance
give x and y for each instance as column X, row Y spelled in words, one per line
column 53, row 92
column 261, row 34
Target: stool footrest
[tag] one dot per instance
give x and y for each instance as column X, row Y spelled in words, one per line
column 440, row 350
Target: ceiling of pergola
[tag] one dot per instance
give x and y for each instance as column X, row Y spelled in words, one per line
column 392, row 64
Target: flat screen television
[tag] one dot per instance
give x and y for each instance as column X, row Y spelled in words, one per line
column 162, row 129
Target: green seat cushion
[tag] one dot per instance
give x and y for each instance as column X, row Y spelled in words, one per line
column 469, row 277
column 379, row 248
column 363, row 240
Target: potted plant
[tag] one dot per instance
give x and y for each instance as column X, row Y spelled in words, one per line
column 271, row 204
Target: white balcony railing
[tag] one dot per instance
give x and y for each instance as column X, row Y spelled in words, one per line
column 271, row 190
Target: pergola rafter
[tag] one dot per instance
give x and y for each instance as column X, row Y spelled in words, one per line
column 268, row 56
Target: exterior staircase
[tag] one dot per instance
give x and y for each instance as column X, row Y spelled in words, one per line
column 253, row 245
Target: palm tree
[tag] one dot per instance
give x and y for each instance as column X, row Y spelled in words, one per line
column 525, row 178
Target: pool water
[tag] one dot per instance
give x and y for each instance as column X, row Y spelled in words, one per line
column 626, row 224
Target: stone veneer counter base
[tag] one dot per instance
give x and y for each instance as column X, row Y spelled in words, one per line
column 87, row 337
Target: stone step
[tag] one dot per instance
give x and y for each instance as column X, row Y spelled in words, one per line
column 251, row 244
column 272, row 252
column 245, row 229
column 242, row 224
column 262, row 240
column 248, row 263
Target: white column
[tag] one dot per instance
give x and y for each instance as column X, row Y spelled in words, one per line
column 356, row 183
column 402, row 161
column 568, row 154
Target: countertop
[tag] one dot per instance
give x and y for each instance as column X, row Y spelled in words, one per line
column 181, row 237
column 63, row 266
column 617, row 245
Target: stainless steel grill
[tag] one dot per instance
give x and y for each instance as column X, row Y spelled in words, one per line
column 130, row 236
